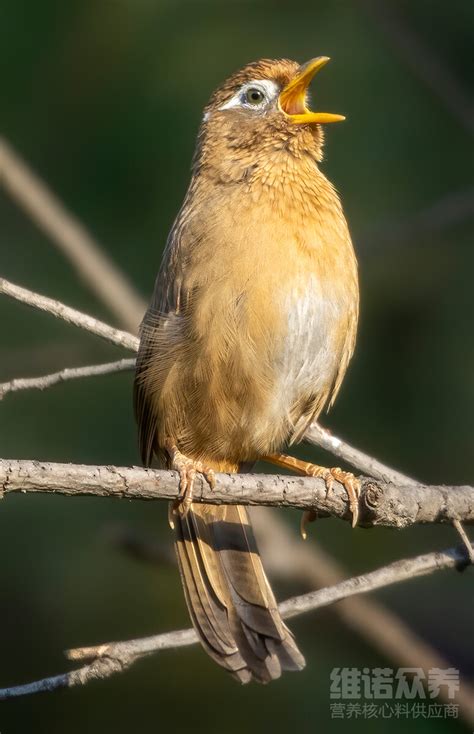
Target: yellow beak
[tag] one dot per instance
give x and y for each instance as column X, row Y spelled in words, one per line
column 293, row 97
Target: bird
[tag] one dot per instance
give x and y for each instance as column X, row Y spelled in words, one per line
column 248, row 335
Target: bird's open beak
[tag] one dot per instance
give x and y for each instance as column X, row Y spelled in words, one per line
column 293, row 97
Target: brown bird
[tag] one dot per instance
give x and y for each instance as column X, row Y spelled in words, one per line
column 249, row 333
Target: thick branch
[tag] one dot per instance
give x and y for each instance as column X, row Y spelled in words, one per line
column 381, row 503
column 115, row 657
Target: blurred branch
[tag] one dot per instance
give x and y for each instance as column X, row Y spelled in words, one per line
column 51, row 216
column 380, row 503
column 422, row 61
column 448, row 210
column 60, row 311
column 69, row 373
column 115, row 657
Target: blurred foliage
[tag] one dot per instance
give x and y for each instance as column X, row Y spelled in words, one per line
column 104, row 98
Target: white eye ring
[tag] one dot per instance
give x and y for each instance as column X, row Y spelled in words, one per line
column 266, row 87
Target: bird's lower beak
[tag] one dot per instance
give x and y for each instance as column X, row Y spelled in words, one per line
column 293, row 97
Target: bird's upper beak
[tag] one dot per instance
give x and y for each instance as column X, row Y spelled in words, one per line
column 293, row 97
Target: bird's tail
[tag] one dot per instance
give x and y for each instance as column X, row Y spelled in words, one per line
column 230, row 601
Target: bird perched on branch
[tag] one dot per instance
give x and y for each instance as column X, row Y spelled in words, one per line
column 249, row 333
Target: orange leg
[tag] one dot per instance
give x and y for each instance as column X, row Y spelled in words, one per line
column 347, row 479
column 187, row 468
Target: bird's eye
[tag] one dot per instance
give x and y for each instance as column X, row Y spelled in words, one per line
column 254, row 96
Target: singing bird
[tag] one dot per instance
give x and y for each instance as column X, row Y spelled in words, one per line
column 248, row 335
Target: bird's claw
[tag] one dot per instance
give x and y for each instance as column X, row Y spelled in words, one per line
column 307, row 517
column 187, row 469
column 352, row 486
column 350, row 483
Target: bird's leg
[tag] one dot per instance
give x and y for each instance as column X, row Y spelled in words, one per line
column 187, row 469
column 346, row 478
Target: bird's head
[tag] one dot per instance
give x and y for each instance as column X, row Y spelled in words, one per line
column 264, row 107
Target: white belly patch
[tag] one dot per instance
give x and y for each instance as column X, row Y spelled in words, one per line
column 310, row 359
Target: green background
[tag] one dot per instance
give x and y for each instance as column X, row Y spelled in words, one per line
column 104, row 100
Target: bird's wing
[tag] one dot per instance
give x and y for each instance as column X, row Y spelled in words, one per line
column 157, row 328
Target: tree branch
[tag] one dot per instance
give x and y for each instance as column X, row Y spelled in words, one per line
column 77, row 318
column 115, row 657
column 69, row 373
column 389, row 505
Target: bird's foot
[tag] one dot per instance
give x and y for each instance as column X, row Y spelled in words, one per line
column 350, row 483
column 187, row 469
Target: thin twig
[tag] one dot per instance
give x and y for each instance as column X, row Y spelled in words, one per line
column 115, row 657
column 69, row 373
column 389, row 505
column 71, row 237
column 77, row 318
